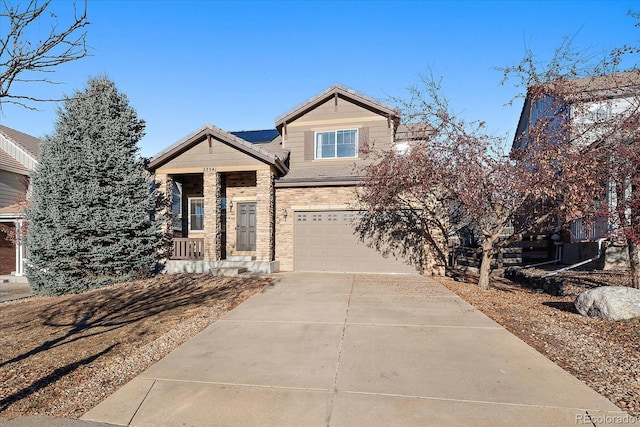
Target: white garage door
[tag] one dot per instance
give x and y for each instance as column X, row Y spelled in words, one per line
column 325, row 241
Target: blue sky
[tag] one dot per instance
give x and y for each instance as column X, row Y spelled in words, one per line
column 239, row 65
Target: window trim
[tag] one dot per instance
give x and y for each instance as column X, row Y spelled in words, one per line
column 335, row 132
column 190, row 199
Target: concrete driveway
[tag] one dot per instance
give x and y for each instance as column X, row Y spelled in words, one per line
column 354, row 350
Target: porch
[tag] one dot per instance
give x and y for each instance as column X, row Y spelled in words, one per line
column 12, row 241
column 187, row 256
column 221, row 220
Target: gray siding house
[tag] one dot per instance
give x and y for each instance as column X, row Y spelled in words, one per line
column 18, row 157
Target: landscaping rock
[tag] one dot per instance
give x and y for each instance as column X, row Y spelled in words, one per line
column 533, row 280
column 609, row 302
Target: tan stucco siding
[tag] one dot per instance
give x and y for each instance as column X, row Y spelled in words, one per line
column 219, row 155
column 328, row 116
column 13, row 188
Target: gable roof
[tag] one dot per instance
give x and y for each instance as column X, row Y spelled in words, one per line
column 586, row 89
column 10, row 164
column 18, row 151
column 210, row 131
column 592, row 88
column 28, row 143
column 343, row 92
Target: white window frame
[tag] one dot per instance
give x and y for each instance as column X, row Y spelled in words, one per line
column 335, row 141
column 192, row 199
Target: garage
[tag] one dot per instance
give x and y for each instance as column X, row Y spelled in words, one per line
column 325, row 241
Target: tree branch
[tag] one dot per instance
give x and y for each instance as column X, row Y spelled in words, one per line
column 21, row 57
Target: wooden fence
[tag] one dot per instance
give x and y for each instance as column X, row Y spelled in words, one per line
column 525, row 252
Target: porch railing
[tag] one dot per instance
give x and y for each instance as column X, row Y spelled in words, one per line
column 187, row 248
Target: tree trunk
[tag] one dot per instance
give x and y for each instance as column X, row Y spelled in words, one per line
column 634, row 263
column 485, row 266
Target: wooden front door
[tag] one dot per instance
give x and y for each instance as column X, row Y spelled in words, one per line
column 246, row 227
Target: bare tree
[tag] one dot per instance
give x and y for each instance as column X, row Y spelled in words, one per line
column 456, row 173
column 25, row 58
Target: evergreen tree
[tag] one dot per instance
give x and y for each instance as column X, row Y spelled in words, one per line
column 90, row 220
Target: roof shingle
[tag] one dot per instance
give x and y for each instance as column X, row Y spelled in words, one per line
column 29, row 143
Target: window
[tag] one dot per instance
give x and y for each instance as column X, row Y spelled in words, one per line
column 196, row 214
column 176, row 208
column 402, row 148
column 336, row 144
column 600, row 114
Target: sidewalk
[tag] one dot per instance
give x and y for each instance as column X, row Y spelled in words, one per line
column 354, row 350
column 12, row 287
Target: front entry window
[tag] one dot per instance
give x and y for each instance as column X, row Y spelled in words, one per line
column 196, row 213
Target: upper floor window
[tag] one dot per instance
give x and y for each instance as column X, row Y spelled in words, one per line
column 600, row 114
column 336, row 144
column 402, row 148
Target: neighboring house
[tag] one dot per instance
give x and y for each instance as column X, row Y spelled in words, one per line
column 284, row 198
column 593, row 107
column 18, row 157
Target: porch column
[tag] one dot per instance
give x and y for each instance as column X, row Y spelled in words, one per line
column 20, row 247
column 212, row 212
column 265, row 212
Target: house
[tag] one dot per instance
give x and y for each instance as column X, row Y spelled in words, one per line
column 281, row 199
column 18, row 158
column 587, row 112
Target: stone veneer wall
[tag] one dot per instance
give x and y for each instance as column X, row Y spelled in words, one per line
column 265, row 205
column 212, row 232
column 240, row 187
column 252, row 186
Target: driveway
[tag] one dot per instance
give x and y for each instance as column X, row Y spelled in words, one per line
column 354, row 350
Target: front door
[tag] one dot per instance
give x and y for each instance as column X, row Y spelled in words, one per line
column 246, row 227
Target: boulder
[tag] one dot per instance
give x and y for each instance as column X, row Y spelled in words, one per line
column 609, row 302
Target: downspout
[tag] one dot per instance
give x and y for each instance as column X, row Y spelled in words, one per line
column 600, row 249
column 557, row 241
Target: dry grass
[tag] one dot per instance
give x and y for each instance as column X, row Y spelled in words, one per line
column 603, row 354
column 61, row 356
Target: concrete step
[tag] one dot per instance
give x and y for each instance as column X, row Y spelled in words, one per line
column 200, row 266
column 7, row 278
column 243, row 258
column 235, row 264
column 227, row 271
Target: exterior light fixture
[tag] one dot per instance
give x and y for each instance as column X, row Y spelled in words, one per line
column 285, row 214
